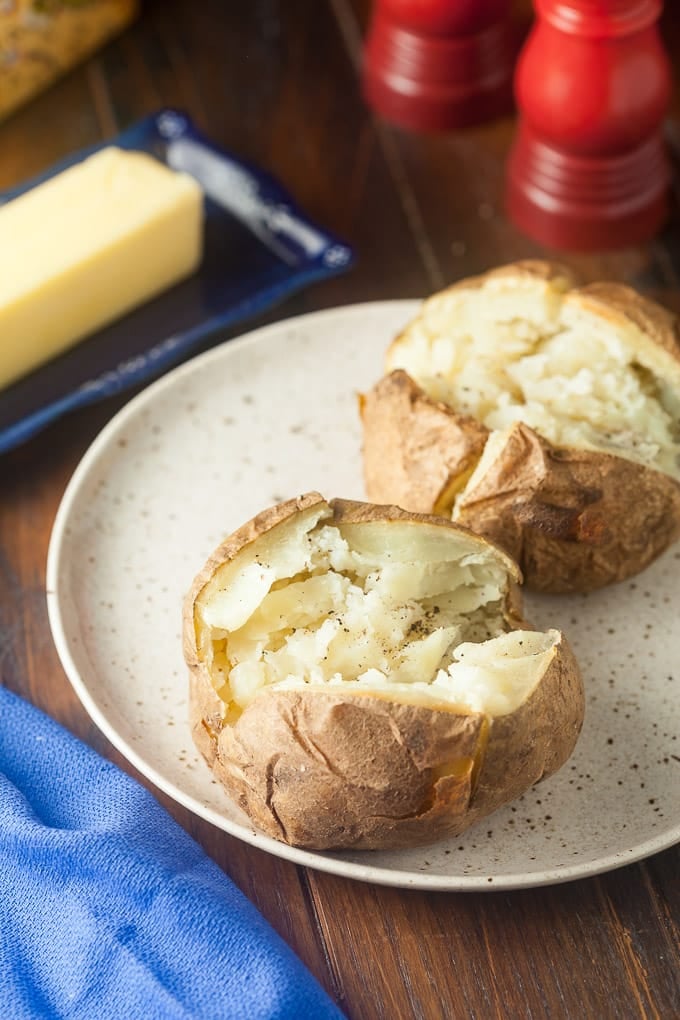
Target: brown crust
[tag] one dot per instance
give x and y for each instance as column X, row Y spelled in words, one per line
column 334, row 770
column 206, row 713
column 325, row 769
column 418, row 449
column 564, row 516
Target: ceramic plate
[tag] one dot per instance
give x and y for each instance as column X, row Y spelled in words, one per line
column 267, row 417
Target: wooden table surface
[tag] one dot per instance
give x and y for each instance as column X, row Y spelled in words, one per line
column 277, row 81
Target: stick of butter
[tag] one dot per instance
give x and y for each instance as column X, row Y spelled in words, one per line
column 87, row 246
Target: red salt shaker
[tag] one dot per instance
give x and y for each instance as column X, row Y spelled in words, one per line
column 433, row 65
column 588, row 169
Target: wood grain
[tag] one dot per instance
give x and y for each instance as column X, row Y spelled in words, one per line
column 279, row 82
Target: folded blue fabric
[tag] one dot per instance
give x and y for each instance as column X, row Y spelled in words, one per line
column 109, row 909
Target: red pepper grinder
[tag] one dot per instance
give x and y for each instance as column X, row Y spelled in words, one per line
column 588, row 169
column 432, row 65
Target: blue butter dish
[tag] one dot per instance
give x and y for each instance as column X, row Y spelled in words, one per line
column 259, row 248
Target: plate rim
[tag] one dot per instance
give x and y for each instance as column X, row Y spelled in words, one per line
column 317, row 860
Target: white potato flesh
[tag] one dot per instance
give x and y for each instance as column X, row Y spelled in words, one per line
column 486, row 676
column 393, row 608
column 569, row 375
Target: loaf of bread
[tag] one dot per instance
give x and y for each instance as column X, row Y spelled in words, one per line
column 41, row 39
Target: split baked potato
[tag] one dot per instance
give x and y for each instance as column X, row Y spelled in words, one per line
column 543, row 416
column 361, row 676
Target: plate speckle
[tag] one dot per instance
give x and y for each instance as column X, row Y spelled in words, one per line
column 268, row 417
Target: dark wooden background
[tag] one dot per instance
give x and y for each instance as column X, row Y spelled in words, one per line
column 278, row 82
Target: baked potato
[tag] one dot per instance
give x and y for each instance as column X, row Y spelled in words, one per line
column 362, row 677
column 543, row 416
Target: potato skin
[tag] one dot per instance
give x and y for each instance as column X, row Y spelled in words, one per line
column 575, row 520
column 326, row 769
column 329, row 771
column 418, row 449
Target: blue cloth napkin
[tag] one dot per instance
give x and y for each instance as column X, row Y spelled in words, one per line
column 109, row 909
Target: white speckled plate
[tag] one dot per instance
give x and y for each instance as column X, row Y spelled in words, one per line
column 267, row 417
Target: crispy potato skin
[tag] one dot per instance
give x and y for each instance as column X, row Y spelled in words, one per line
column 328, row 769
column 416, row 448
column 575, row 520
column 325, row 771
